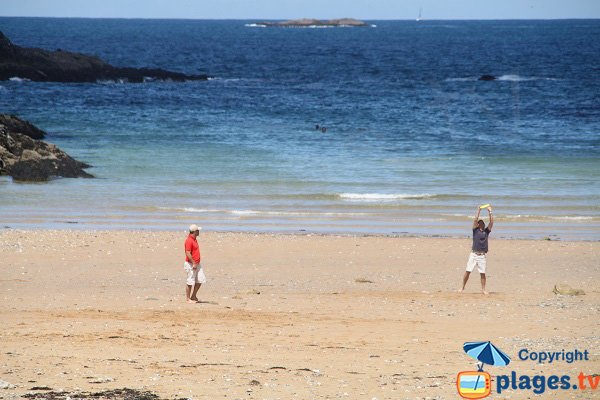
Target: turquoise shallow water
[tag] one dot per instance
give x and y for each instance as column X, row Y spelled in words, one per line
column 414, row 140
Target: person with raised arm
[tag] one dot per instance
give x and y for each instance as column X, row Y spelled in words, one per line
column 479, row 249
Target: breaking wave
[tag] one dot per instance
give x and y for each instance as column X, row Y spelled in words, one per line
column 505, row 78
column 384, row 197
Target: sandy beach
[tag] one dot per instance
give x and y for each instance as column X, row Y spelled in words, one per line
column 285, row 316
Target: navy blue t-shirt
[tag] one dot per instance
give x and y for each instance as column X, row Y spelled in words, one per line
column 480, row 240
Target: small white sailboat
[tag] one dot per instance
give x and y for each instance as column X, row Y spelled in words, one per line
column 419, row 17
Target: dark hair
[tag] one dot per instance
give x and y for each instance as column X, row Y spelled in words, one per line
column 481, row 222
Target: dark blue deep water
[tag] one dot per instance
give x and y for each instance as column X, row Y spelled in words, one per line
column 414, row 141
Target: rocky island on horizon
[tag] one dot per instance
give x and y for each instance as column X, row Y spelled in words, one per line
column 310, row 22
column 41, row 65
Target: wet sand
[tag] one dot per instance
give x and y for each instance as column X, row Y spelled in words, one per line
column 284, row 316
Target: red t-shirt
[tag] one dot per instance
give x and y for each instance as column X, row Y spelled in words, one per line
column 191, row 245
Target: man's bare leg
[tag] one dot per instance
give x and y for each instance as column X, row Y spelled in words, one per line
column 483, row 283
column 465, row 279
column 196, row 287
column 188, row 290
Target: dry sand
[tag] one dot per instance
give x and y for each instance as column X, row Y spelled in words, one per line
column 284, row 316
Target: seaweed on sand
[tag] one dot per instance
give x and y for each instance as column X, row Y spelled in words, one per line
column 115, row 394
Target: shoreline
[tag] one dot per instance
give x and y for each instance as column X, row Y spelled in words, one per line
column 299, row 233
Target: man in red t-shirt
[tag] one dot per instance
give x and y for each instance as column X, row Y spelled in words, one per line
column 193, row 269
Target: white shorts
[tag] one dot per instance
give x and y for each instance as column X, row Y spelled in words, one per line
column 479, row 260
column 194, row 275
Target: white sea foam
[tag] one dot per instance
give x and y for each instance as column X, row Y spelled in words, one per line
column 292, row 213
column 505, row 78
column 243, row 212
column 383, row 196
column 514, row 78
column 542, row 218
column 229, row 80
column 255, row 25
column 573, row 218
column 17, row 79
column 112, row 81
column 200, row 210
column 258, row 212
column 190, row 209
column 518, row 78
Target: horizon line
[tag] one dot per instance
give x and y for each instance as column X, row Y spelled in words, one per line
column 322, row 19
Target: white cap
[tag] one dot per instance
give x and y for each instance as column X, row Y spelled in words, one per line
column 194, row 228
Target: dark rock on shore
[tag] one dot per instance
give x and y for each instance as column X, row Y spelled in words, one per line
column 63, row 66
column 30, row 160
column 315, row 22
column 16, row 124
column 487, row 78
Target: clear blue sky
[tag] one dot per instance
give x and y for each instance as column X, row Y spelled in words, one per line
column 282, row 9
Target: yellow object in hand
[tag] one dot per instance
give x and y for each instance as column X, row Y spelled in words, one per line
column 484, row 206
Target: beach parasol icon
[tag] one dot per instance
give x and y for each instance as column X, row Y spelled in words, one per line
column 487, row 353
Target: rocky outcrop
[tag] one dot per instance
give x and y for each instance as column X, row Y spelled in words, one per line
column 16, row 124
column 315, row 22
column 63, row 66
column 30, row 160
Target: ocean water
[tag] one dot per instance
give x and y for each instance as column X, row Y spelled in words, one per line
column 414, row 141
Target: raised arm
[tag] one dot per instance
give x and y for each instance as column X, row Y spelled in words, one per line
column 491, row 223
column 475, row 222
